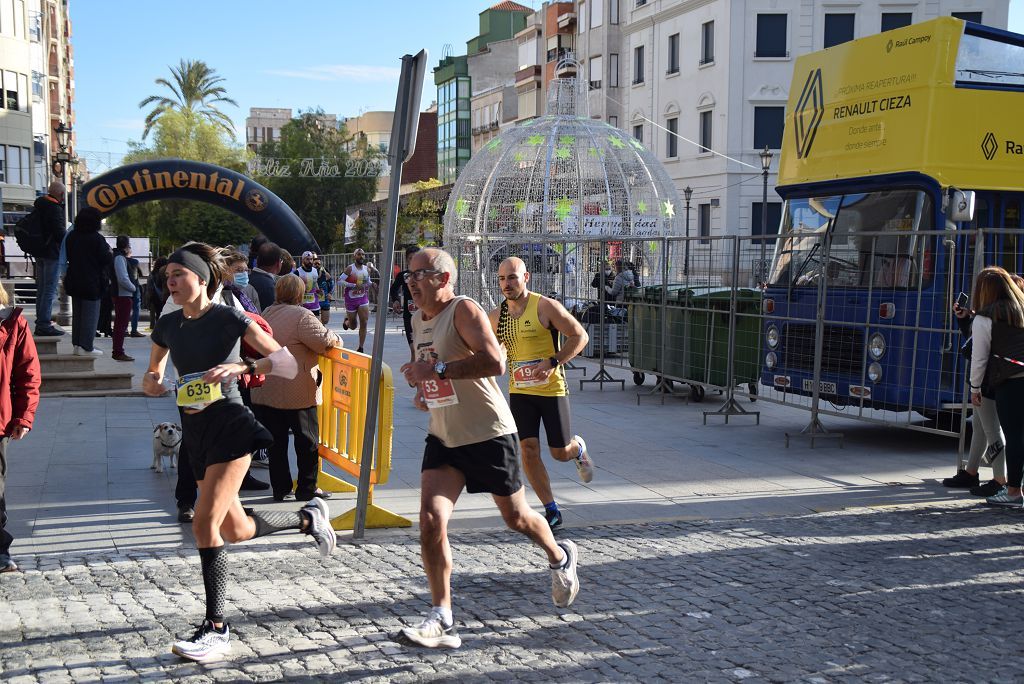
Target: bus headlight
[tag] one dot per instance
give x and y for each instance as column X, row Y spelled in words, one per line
column 876, row 346
column 875, row 372
column 770, row 359
column 772, row 335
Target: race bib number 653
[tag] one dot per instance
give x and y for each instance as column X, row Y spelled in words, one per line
column 438, row 393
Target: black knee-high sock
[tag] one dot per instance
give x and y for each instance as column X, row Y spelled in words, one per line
column 268, row 522
column 215, row 579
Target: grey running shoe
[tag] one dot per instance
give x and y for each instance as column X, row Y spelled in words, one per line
column 565, row 583
column 7, row 563
column 584, row 464
column 432, row 633
column 320, row 526
column 260, row 459
column 1004, row 498
column 206, row 644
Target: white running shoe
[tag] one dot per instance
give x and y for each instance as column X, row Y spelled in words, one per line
column 565, row 583
column 432, row 633
column 205, row 645
column 81, row 351
column 320, row 526
column 584, row 464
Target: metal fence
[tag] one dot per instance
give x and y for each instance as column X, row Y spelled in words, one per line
column 856, row 324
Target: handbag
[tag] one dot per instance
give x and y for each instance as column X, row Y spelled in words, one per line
column 998, row 370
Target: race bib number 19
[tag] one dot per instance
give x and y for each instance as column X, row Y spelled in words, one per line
column 438, row 393
column 524, row 374
column 193, row 393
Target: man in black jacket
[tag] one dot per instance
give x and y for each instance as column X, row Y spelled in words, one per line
column 51, row 218
column 268, row 265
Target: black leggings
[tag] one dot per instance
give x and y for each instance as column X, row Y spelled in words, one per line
column 1010, row 407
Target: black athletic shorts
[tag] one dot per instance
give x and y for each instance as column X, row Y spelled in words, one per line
column 529, row 410
column 221, row 433
column 491, row 466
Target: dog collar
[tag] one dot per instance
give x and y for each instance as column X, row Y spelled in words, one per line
column 168, row 445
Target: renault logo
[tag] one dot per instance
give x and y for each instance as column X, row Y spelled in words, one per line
column 809, row 111
column 989, row 146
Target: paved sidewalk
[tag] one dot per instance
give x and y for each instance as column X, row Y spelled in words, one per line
column 707, row 553
column 908, row 594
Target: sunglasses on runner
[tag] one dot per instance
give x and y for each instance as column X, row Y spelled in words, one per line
column 421, row 273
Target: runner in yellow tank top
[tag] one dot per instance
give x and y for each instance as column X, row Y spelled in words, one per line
column 528, row 326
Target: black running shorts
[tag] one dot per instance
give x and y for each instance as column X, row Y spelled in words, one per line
column 491, row 466
column 530, row 410
column 221, row 433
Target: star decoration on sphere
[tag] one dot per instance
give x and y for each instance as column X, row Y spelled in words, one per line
column 492, row 214
column 668, row 208
column 563, row 152
column 566, row 140
column 519, row 156
column 594, row 152
column 563, row 208
column 604, row 212
column 616, row 142
column 535, row 140
column 636, row 143
column 641, row 207
column 461, row 207
column 493, row 144
column 520, row 206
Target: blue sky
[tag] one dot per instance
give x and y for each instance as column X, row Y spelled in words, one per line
column 341, row 55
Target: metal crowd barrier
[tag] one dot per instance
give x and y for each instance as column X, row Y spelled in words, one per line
column 700, row 317
column 346, row 379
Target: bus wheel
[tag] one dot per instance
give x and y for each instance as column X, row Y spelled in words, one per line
column 638, row 378
column 697, row 393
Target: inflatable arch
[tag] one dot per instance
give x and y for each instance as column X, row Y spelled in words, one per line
column 181, row 179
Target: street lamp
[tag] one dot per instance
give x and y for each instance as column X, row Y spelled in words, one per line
column 687, row 193
column 766, row 163
column 60, row 166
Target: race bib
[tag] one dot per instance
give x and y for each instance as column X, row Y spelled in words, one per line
column 193, row 393
column 438, row 393
column 308, row 298
column 524, row 374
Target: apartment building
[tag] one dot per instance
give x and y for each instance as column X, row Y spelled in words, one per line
column 483, row 72
column 36, row 96
column 546, row 48
column 264, row 125
column 718, row 74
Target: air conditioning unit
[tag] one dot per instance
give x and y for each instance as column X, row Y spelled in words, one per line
column 714, row 202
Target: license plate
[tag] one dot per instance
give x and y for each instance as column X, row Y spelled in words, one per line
column 823, row 387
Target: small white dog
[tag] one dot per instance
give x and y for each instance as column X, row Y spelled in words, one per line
column 166, row 442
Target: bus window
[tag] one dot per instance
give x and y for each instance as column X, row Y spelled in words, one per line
column 1008, row 248
column 874, row 240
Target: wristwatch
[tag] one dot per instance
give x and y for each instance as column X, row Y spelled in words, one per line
column 553, row 361
column 440, row 367
column 251, row 366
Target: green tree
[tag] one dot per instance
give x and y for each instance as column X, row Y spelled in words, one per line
column 319, row 189
column 196, row 91
column 175, row 222
column 420, row 215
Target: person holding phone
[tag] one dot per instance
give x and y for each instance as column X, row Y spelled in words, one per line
column 987, row 443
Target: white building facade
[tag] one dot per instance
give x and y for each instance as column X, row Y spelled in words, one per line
column 717, row 73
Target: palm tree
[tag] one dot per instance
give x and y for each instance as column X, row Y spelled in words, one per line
column 197, row 91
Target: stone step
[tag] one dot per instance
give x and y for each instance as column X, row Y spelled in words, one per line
column 65, row 363
column 79, row 382
column 71, row 394
column 47, row 345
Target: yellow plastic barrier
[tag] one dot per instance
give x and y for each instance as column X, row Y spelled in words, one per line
column 342, row 422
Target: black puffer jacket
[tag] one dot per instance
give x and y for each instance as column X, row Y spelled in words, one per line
column 89, row 259
column 51, row 218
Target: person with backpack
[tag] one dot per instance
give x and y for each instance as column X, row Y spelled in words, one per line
column 40, row 235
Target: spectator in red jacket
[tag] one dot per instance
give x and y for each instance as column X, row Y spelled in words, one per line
column 19, row 396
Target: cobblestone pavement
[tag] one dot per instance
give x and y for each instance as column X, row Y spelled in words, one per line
column 919, row 593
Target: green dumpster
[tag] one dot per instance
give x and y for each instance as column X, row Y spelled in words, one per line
column 707, row 315
column 645, row 313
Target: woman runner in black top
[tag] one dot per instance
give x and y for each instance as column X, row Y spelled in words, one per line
column 203, row 339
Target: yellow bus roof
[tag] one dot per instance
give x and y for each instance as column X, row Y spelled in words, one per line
column 888, row 103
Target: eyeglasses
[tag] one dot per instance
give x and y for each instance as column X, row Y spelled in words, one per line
column 421, row 273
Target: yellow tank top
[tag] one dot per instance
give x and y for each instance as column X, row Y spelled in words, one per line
column 528, row 343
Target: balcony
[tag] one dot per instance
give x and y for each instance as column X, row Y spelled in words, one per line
column 595, row 85
column 492, row 126
column 529, row 74
column 566, row 20
column 567, row 70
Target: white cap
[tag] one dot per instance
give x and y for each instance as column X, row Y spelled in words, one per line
column 309, row 254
